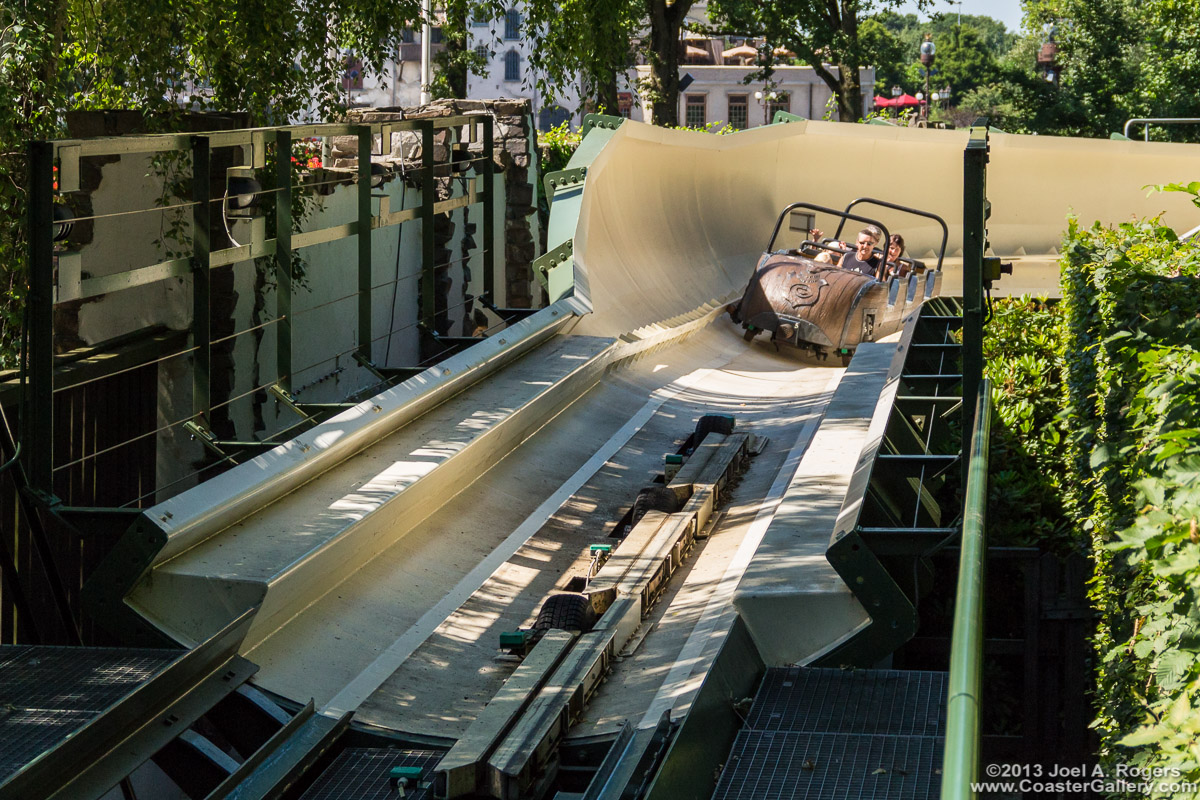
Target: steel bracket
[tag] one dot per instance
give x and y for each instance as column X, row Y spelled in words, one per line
column 562, row 179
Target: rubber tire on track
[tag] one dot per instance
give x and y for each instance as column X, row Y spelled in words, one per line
column 714, row 423
column 566, row 612
column 655, row 498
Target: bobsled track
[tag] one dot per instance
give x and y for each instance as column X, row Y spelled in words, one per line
column 372, row 564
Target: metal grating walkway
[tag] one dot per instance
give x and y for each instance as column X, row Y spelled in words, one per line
column 831, row 733
column 766, row 765
column 899, row 702
column 48, row 693
column 361, row 773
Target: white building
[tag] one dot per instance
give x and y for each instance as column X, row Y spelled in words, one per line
column 712, row 78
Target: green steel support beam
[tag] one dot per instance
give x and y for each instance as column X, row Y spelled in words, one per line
column 487, row 172
column 283, row 259
column 975, row 214
column 38, row 450
column 960, row 768
column 201, row 278
column 364, row 243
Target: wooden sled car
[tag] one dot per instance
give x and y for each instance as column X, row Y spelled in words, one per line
column 821, row 308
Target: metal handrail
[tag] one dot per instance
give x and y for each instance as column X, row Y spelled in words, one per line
column 960, row 765
column 1157, row 120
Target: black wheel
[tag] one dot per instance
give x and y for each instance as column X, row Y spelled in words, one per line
column 714, row 423
column 566, row 612
column 655, row 498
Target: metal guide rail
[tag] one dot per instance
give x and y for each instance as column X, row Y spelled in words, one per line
column 512, row 748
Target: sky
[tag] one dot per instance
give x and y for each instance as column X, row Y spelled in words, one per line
column 1007, row 11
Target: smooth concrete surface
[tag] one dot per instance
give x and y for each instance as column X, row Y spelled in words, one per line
column 713, row 373
column 793, row 602
column 294, row 552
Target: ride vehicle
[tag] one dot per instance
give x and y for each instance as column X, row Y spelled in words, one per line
column 823, row 309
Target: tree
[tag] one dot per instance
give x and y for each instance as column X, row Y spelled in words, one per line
column 273, row 58
column 823, row 33
column 585, row 43
column 589, row 43
column 964, row 61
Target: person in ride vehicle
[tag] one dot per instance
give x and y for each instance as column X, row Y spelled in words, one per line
column 896, row 267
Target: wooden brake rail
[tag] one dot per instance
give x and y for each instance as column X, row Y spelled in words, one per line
column 511, row 746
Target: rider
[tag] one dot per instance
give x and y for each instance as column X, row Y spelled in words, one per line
column 862, row 258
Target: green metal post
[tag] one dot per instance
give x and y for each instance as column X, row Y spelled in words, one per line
column 364, row 244
column 975, row 213
column 489, row 211
column 201, row 278
column 428, row 197
column 283, row 259
column 960, row 768
column 39, row 406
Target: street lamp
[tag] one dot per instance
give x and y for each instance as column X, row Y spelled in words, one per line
column 927, row 56
column 766, row 98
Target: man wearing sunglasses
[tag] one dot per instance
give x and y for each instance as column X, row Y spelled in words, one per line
column 862, row 258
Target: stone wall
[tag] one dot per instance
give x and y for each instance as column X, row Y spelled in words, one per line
column 514, row 160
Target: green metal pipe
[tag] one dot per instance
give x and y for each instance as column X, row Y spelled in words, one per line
column 960, row 767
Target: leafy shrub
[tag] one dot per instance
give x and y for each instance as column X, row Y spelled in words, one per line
column 1022, row 358
column 1131, row 372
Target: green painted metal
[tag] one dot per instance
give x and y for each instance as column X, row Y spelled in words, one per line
column 893, row 616
column 39, row 406
column 555, row 270
column 487, row 174
column 603, row 121
column 786, row 116
column 975, row 214
column 961, row 764
column 283, row 259
column 201, row 279
column 711, row 724
column 562, row 179
column 364, row 243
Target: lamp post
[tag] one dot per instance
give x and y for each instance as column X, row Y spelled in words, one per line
column 765, row 98
column 927, row 56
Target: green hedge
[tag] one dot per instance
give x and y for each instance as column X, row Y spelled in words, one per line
column 1023, row 359
column 1131, row 375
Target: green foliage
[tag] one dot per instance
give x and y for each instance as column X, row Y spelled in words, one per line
column 1025, row 484
column 968, row 55
column 276, row 59
column 821, row 34
column 1131, row 374
column 556, row 146
column 584, row 44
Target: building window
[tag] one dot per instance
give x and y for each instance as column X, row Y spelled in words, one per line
column 512, row 24
column 482, row 51
column 738, row 111
column 435, row 35
column 694, row 115
column 480, row 20
column 782, row 102
column 352, row 77
column 552, row 116
column 624, row 103
column 512, row 66
column 407, row 36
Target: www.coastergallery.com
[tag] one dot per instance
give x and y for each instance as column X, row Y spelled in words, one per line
column 1100, row 785
column 1078, row 779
